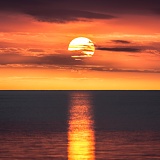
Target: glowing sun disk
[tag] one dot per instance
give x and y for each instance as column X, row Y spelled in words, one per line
column 81, row 47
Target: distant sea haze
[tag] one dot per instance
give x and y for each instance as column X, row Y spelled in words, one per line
column 79, row 125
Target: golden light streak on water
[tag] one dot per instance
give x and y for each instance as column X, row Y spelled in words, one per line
column 81, row 139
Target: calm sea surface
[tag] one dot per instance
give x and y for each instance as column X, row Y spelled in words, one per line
column 79, row 125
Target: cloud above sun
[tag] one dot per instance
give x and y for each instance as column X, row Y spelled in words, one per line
column 64, row 11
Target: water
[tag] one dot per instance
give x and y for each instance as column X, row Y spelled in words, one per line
column 79, row 125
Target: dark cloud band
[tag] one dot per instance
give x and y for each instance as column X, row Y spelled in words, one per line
column 119, row 49
column 59, row 59
column 69, row 10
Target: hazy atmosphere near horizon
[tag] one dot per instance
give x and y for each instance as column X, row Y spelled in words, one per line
column 79, row 80
column 35, row 37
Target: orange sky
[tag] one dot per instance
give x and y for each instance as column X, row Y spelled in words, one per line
column 34, row 53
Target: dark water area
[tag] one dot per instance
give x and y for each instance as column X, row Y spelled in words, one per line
column 80, row 125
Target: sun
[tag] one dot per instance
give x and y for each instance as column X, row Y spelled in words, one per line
column 81, row 47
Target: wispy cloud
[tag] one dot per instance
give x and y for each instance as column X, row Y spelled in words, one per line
column 121, row 41
column 153, row 51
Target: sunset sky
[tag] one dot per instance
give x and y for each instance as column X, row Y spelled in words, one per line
column 34, row 39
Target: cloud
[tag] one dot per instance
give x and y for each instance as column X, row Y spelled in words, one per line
column 62, row 16
column 50, row 7
column 63, row 62
column 121, row 41
column 119, row 49
column 36, row 50
column 51, row 11
column 69, row 10
column 153, row 51
column 105, row 69
column 56, row 59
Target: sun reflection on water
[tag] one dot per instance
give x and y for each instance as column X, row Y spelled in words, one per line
column 81, row 140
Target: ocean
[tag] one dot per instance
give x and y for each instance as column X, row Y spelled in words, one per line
column 79, row 125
